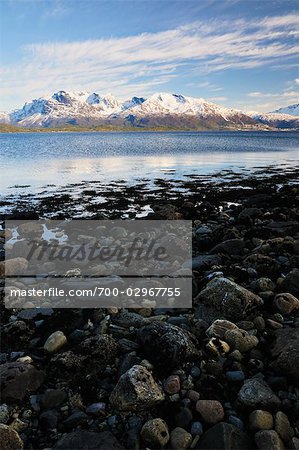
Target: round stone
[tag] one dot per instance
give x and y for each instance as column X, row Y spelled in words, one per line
column 55, row 342
column 155, row 432
column 180, row 439
column 283, row 426
column 196, row 428
column 286, row 303
column 172, row 384
column 260, row 420
column 210, row 410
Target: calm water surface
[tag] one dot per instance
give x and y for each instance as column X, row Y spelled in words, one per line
column 31, row 161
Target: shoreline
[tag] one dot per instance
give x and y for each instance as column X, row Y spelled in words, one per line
column 213, row 372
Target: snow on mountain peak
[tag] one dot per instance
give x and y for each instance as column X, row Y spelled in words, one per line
column 293, row 110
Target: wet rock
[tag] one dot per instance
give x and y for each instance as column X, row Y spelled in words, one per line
column 55, row 342
column 262, row 285
column 16, row 335
column 155, row 433
column 180, row 439
column 224, row 436
column 12, row 267
column 231, row 247
column 249, row 214
column 291, row 283
column 88, row 440
column 4, row 413
column 283, row 426
column 268, row 439
column 97, row 352
column 256, row 394
column 136, row 390
column 18, row 379
column 74, row 420
column 260, row 420
column 219, row 327
column 167, row 346
column 224, row 297
column 10, row 440
column 172, row 384
column 96, row 409
column 203, row 262
column 48, row 419
column 241, row 340
column 286, row 353
column 264, row 265
column 67, row 365
column 53, row 398
column 286, row 303
column 210, row 410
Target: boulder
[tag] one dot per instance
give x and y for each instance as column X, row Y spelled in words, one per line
column 223, row 297
column 18, row 379
column 256, row 394
column 136, row 390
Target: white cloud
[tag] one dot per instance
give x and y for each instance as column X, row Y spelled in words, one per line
column 141, row 63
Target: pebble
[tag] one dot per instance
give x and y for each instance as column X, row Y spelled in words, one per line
column 219, row 327
column 195, row 372
column 193, row 395
column 235, row 376
column 286, row 303
column 196, row 428
column 155, row 432
column 260, row 420
column 96, row 409
column 268, row 439
column 4, row 413
column 210, row 410
column 180, row 439
column 233, row 420
column 55, row 342
column 172, row 384
column 283, row 426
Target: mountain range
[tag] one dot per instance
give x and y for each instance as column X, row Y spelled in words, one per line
column 159, row 110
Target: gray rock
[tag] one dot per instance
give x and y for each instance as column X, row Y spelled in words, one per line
column 136, row 390
column 260, row 420
column 223, row 297
column 241, row 340
column 4, row 413
column 256, row 394
column 52, row 398
column 283, row 426
column 286, row 353
column 268, row 439
column 18, row 379
column 167, row 346
column 291, row 283
column 155, row 433
column 88, row 440
column 224, row 436
column 10, row 440
column 231, row 247
column 180, row 439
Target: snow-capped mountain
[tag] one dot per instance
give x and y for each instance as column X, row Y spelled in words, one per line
column 160, row 109
column 275, row 119
column 293, row 110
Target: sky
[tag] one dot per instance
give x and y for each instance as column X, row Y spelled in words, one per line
column 242, row 54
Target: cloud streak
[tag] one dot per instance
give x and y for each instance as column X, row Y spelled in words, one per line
column 141, row 63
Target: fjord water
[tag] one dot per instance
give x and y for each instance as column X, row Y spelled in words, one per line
column 32, row 161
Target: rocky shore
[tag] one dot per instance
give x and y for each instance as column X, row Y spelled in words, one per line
column 222, row 375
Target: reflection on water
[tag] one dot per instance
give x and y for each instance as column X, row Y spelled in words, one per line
column 40, row 159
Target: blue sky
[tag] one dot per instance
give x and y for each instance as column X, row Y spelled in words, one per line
column 238, row 53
